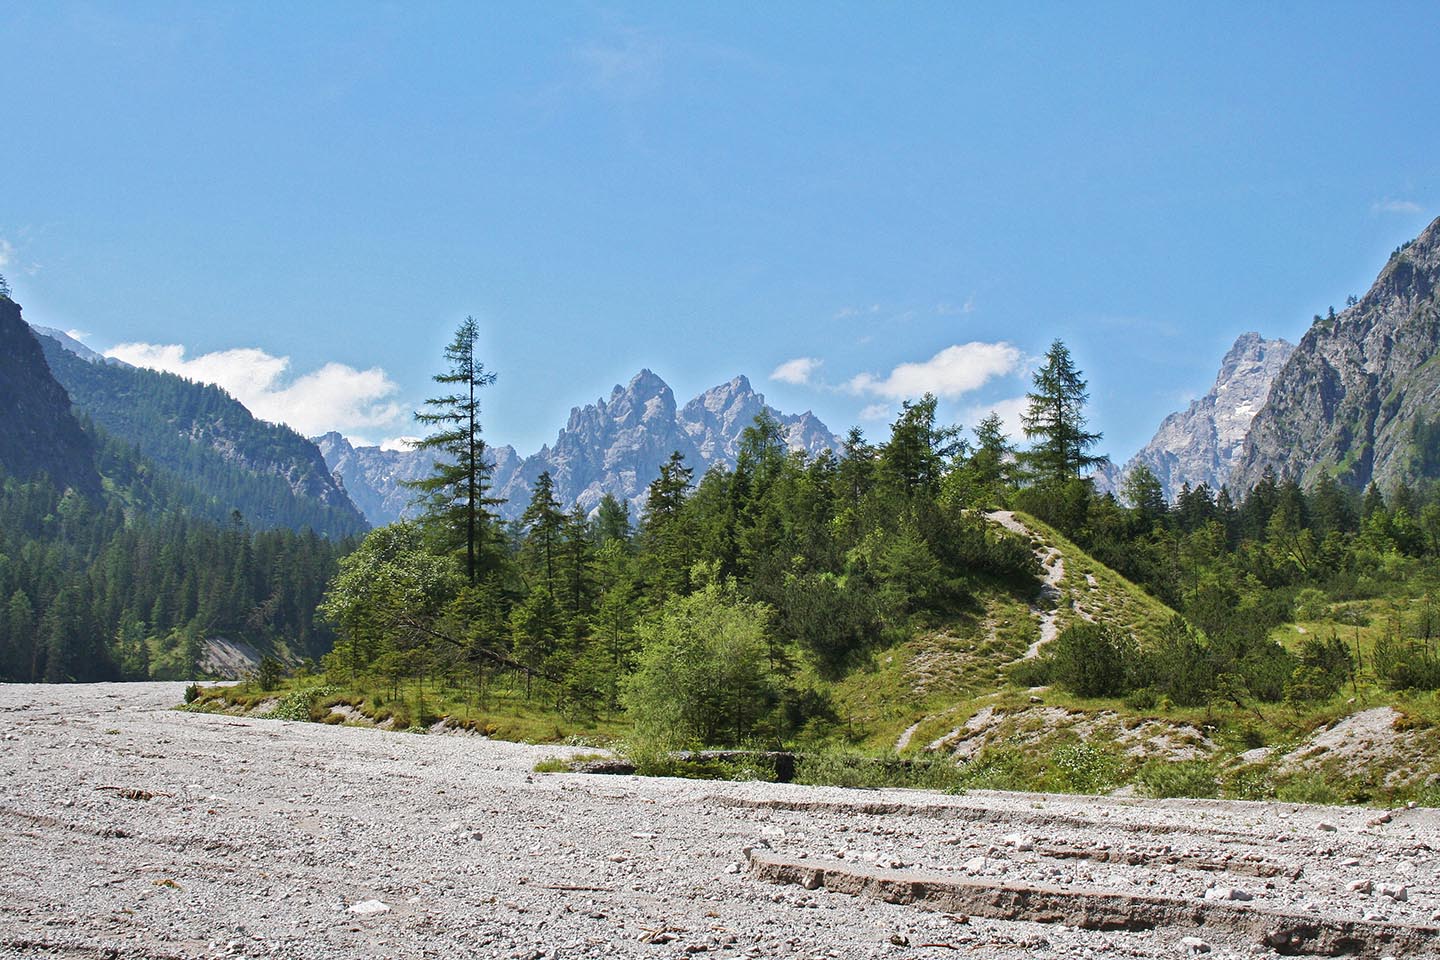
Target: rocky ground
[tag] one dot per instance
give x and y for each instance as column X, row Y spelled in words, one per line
column 128, row 829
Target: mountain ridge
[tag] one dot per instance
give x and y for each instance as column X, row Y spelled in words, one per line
column 208, row 440
column 1359, row 399
column 613, row 445
column 39, row 432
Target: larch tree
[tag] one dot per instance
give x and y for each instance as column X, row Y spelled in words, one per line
column 1055, row 420
column 455, row 493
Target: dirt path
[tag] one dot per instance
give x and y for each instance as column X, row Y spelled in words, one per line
column 1053, row 564
column 130, row 830
column 904, row 739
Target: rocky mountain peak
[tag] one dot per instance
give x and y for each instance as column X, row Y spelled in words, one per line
column 614, row 445
column 1202, row 443
column 1358, row 399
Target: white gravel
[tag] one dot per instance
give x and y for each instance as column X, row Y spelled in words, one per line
column 131, row 830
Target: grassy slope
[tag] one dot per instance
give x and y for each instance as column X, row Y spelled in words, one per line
column 941, row 676
column 1111, row 598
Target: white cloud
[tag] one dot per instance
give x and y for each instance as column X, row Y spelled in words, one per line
column 7, row 252
column 1389, row 205
column 876, row 412
column 333, row 397
column 797, row 371
column 403, row 444
column 951, row 373
column 80, row 335
column 1009, row 411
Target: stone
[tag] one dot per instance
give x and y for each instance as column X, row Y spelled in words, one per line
column 369, row 908
column 1227, row 893
column 1019, row 841
column 1395, row 891
column 1326, row 826
column 1359, row 886
column 1193, row 946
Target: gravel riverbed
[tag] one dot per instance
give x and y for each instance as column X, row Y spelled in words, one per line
column 129, row 829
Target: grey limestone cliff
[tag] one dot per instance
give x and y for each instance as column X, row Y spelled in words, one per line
column 1202, row 443
column 1359, row 399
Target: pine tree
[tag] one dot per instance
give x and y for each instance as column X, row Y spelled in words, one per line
column 1055, row 420
column 666, row 533
column 544, row 526
column 455, row 492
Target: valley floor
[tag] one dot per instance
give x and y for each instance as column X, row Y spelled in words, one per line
column 132, row 830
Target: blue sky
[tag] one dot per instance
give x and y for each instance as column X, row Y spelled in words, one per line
column 302, row 203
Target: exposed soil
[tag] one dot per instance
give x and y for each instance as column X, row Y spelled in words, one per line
column 132, row 830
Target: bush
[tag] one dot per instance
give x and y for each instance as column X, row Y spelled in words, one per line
column 995, row 768
column 1083, row 768
column 1311, row 604
column 300, row 704
column 1250, row 783
column 833, row 769
column 1093, row 660
column 1308, row 788
column 704, row 671
column 269, row 672
column 1144, row 698
column 1186, row 778
column 192, row 693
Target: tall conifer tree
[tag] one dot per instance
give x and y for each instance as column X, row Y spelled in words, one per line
column 455, row 493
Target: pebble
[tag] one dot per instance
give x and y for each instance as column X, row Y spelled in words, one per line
column 1193, row 946
column 366, row 908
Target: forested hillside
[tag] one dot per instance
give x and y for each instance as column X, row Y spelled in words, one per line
column 38, row 433
column 111, row 568
column 208, row 441
column 91, row 594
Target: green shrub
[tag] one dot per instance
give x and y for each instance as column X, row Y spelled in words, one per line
column 995, row 768
column 301, row 704
column 839, row 769
column 1093, row 660
column 1143, row 698
column 1311, row 604
column 1083, row 768
column 192, row 693
column 1250, row 783
column 1308, row 788
column 1186, row 778
column 269, row 672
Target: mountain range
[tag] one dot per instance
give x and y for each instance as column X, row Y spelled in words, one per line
column 1357, row 400
column 204, row 440
column 614, row 445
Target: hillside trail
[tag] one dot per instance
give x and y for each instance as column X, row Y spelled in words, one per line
column 1052, row 563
